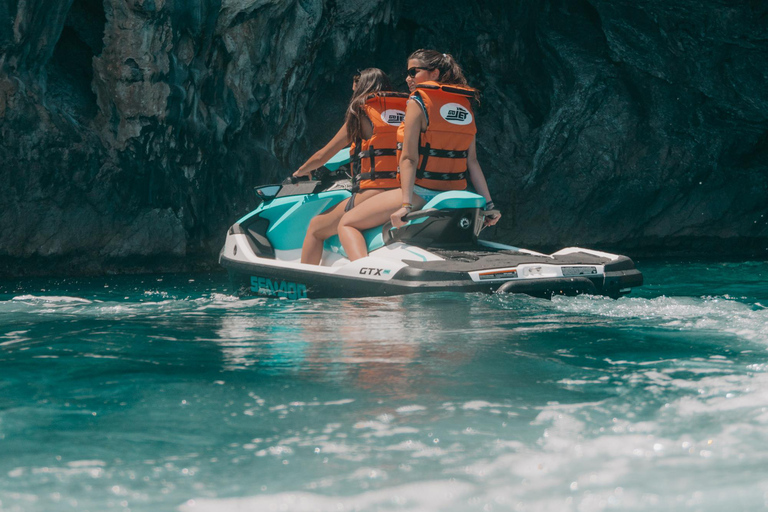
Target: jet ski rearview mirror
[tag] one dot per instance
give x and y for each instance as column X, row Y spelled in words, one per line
column 267, row 192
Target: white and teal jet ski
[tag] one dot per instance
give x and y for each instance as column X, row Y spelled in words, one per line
column 437, row 250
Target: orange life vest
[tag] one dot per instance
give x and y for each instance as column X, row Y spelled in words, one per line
column 374, row 160
column 444, row 147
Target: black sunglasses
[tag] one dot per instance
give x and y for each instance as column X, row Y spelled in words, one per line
column 412, row 71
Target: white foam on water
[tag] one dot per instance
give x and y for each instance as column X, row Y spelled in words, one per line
column 92, row 469
column 595, row 456
column 344, row 401
column 13, row 334
column 406, row 409
column 229, row 302
column 13, row 338
column 575, row 471
column 477, row 405
column 86, row 463
column 221, row 297
column 160, row 293
column 436, row 495
column 51, row 299
column 150, row 302
column 720, row 314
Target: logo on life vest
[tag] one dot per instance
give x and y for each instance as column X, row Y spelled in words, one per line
column 455, row 114
column 393, row 117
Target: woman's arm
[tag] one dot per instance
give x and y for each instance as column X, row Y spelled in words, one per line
column 478, row 181
column 415, row 123
column 336, row 144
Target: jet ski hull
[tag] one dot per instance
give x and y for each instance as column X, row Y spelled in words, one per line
column 613, row 279
column 437, row 251
column 295, row 284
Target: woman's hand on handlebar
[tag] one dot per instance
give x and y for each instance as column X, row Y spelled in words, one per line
column 491, row 220
column 397, row 218
column 299, row 173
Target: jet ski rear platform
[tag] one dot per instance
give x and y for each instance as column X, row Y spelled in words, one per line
column 438, row 250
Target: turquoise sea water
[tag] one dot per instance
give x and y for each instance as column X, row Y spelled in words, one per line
column 164, row 393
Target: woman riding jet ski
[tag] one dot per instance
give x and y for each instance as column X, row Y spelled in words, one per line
column 436, row 250
column 373, row 115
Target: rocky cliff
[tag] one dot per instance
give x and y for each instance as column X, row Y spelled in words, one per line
column 133, row 131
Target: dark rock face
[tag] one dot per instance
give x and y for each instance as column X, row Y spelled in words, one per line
column 132, row 131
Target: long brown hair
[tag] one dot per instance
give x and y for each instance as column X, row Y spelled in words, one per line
column 369, row 80
column 450, row 71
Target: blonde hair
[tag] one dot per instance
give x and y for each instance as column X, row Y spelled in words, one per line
column 369, row 80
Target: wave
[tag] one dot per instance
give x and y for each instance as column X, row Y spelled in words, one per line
column 719, row 314
column 423, row 496
column 50, row 299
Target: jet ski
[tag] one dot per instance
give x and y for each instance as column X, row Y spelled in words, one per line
column 437, row 250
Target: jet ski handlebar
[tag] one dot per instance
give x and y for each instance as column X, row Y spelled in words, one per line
column 388, row 231
column 431, row 212
column 322, row 174
column 325, row 175
column 292, row 180
column 434, row 212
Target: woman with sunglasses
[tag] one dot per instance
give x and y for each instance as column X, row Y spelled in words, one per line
column 438, row 149
column 370, row 126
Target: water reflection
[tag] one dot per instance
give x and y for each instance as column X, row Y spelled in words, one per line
column 385, row 345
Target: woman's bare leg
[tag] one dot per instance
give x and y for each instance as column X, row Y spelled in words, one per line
column 373, row 213
column 325, row 225
column 321, row 228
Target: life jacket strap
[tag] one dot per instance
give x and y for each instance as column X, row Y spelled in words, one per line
column 354, row 161
column 441, row 176
column 439, row 153
column 370, row 153
column 372, row 156
column 375, row 152
column 443, row 153
column 424, row 152
column 372, row 176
